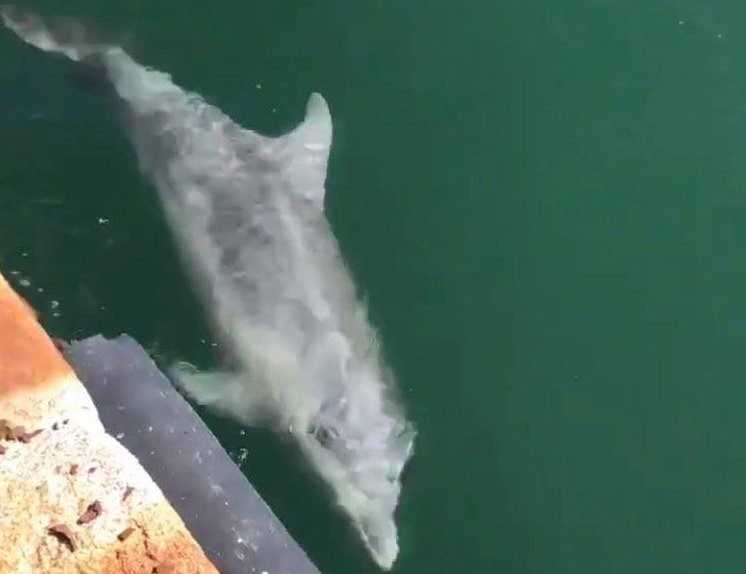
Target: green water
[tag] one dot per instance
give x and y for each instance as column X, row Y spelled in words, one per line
column 543, row 203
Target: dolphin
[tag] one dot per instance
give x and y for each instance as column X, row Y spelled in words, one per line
column 248, row 214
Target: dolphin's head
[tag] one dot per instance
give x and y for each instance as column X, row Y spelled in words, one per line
column 366, row 483
column 360, row 442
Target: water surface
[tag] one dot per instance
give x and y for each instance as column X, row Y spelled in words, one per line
column 543, row 204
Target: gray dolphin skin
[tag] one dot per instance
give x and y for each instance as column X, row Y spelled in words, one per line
column 248, row 214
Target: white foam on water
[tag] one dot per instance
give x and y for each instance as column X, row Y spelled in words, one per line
column 247, row 211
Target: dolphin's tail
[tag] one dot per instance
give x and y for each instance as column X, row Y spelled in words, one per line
column 68, row 37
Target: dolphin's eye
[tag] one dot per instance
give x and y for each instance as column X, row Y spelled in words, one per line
column 325, row 435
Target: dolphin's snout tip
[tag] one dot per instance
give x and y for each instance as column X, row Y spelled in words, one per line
column 381, row 539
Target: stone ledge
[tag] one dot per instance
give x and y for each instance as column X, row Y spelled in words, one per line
column 72, row 499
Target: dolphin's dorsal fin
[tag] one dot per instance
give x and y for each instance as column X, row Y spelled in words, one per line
column 307, row 148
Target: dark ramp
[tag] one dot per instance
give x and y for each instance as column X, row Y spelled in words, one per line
column 138, row 405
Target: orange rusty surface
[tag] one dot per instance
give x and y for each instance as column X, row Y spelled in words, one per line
column 27, row 355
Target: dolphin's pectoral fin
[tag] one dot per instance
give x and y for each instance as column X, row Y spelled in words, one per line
column 204, row 387
column 223, row 391
column 309, row 146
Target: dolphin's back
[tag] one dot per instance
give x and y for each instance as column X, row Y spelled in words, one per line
column 229, row 194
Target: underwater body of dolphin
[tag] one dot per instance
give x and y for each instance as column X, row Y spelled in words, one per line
column 247, row 211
